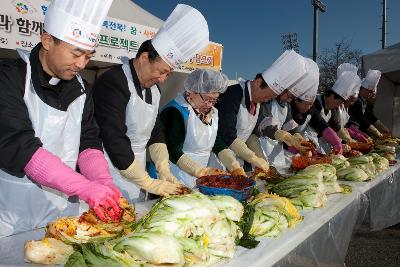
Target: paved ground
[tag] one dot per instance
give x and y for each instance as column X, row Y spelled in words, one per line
column 375, row 249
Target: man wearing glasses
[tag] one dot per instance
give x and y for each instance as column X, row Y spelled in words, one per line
column 361, row 113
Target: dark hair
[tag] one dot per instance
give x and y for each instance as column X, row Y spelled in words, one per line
column 148, row 47
column 56, row 40
column 331, row 92
column 263, row 83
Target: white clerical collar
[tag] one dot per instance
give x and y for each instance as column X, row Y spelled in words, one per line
column 54, row 81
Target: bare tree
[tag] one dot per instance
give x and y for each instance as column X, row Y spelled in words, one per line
column 331, row 58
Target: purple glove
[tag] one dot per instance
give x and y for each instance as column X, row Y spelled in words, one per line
column 94, row 167
column 293, row 150
column 357, row 134
column 48, row 170
column 333, row 139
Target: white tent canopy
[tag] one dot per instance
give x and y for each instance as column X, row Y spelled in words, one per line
column 386, row 60
column 387, row 106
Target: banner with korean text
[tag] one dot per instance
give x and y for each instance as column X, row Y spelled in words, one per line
column 21, row 23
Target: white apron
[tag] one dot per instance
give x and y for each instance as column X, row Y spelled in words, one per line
column 244, row 125
column 25, row 205
column 273, row 149
column 308, row 132
column 140, row 121
column 245, row 121
column 199, row 141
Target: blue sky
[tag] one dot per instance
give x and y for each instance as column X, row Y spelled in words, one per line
column 251, row 30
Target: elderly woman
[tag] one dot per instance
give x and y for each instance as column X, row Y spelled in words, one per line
column 191, row 124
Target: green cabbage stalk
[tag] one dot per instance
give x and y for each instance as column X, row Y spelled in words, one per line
column 339, row 162
column 222, row 237
column 272, row 215
column 369, row 169
column 303, row 190
column 229, row 206
column 310, row 199
column 203, row 225
column 181, row 216
column 268, row 222
column 328, row 173
column 352, row 174
column 388, row 152
column 364, row 163
column 385, row 148
column 360, row 160
column 189, row 230
column 380, row 162
column 102, row 255
column 154, row 248
column 333, row 187
column 195, row 251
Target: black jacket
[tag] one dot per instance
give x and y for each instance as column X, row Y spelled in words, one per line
column 364, row 119
column 17, row 137
column 228, row 107
column 111, row 96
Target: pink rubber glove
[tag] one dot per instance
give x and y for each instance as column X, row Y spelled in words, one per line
column 333, row 139
column 293, row 150
column 48, row 170
column 94, row 167
column 357, row 134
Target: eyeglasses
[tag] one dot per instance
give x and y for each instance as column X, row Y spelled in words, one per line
column 209, row 100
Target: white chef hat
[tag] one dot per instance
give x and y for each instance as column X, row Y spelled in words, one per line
column 76, row 22
column 206, row 81
column 346, row 67
column 309, row 80
column 289, row 68
column 371, row 80
column 345, row 84
column 311, row 93
column 182, row 35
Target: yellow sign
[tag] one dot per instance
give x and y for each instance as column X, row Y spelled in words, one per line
column 209, row 58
